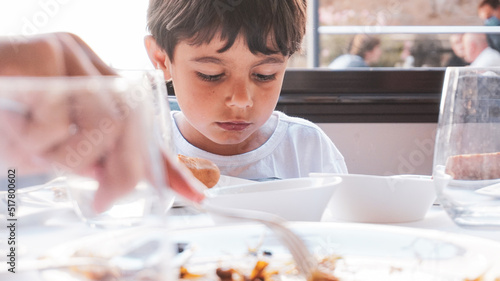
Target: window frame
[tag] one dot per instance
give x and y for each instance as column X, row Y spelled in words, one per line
column 373, row 95
column 365, row 95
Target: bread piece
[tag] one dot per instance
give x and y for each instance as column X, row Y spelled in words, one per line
column 483, row 166
column 203, row 169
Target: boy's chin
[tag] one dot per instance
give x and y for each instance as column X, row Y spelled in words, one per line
column 234, row 145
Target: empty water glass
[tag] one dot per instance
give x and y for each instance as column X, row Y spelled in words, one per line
column 467, row 151
column 105, row 135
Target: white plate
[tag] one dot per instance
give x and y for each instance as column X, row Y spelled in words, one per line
column 35, row 205
column 223, row 181
column 473, row 184
column 107, row 245
column 296, row 199
column 369, row 252
column 230, row 181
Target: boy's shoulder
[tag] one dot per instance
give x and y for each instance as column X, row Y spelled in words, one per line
column 297, row 122
column 297, row 127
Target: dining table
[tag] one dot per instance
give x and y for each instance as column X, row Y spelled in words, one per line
column 40, row 228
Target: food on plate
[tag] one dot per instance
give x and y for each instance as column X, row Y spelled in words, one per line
column 481, row 166
column 265, row 268
column 203, row 169
column 253, row 259
column 225, row 274
column 258, row 273
column 185, row 274
column 322, row 276
column 60, row 194
column 95, row 273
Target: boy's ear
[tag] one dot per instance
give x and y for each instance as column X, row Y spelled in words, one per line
column 158, row 56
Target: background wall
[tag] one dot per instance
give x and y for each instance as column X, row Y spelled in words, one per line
column 385, row 148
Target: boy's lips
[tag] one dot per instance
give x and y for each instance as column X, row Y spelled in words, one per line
column 233, row 126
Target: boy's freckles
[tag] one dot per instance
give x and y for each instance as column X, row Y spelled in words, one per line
column 225, row 97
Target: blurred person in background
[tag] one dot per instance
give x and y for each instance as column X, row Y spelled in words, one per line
column 425, row 52
column 406, row 59
column 477, row 52
column 364, row 50
column 457, row 51
column 489, row 12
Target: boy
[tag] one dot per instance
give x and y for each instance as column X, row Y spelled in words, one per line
column 227, row 73
column 227, row 64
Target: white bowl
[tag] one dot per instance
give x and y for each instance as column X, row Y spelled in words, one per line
column 299, row 199
column 381, row 199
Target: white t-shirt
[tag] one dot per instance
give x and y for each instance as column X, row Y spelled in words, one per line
column 488, row 57
column 296, row 148
column 348, row 60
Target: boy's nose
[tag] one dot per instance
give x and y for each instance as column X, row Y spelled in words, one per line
column 241, row 96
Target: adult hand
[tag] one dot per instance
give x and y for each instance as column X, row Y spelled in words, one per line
column 54, row 125
column 53, row 54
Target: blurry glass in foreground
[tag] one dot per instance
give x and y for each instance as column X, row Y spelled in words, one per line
column 103, row 135
column 467, row 151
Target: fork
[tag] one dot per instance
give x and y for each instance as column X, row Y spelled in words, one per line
column 306, row 264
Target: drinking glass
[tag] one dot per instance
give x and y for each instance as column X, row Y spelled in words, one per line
column 106, row 133
column 467, row 151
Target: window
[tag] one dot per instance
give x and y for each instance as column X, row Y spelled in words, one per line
column 115, row 28
column 403, row 86
column 387, row 92
column 423, row 27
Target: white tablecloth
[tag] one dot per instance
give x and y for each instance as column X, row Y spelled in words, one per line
column 34, row 238
column 437, row 219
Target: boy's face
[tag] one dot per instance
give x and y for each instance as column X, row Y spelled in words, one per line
column 225, row 97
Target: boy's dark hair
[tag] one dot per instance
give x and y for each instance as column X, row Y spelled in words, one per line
column 493, row 3
column 199, row 21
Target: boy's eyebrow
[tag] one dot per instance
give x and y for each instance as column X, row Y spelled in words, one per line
column 208, row 59
column 271, row 60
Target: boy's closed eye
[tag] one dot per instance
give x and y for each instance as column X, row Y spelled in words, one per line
column 257, row 76
column 264, row 78
column 210, row 78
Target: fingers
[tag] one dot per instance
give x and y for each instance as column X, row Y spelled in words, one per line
column 54, row 54
column 182, row 181
column 112, row 186
column 25, row 136
column 92, row 128
column 12, row 150
column 124, row 166
column 76, row 60
column 46, row 123
column 96, row 61
column 83, row 128
column 30, row 56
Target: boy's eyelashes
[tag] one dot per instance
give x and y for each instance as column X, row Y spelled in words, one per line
column 209, row 78
column 264, row 78
column 214, row 78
